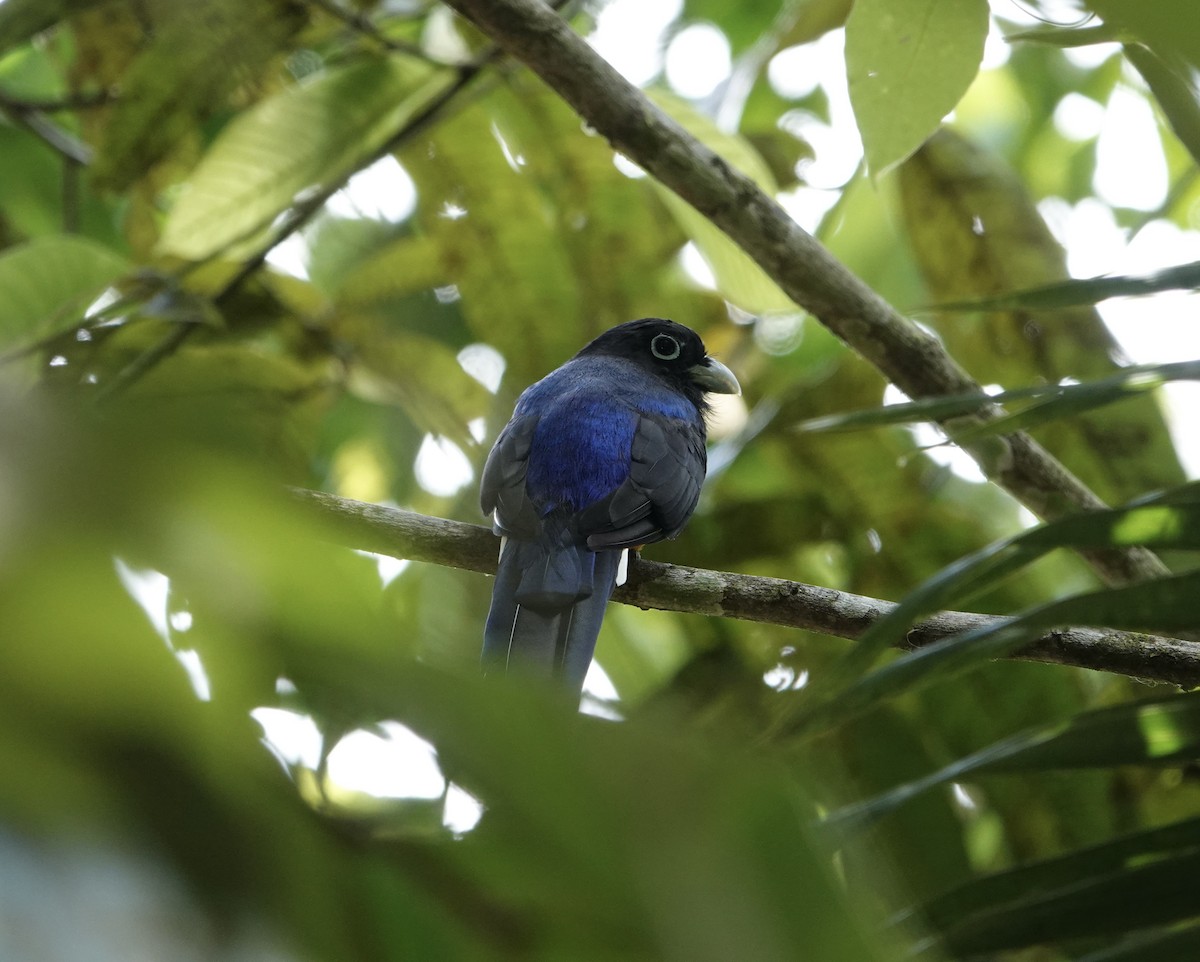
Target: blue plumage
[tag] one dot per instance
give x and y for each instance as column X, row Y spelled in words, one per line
column 581, row 444
column 603, row 454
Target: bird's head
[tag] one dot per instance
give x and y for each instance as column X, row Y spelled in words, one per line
column 671, row 351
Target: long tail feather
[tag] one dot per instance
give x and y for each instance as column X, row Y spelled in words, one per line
column 546, row 642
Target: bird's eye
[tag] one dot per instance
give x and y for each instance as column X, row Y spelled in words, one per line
column 664, row 347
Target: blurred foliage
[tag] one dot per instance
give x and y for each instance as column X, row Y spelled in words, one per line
column 196, row 310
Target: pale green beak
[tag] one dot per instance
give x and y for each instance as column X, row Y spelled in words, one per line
column 715, row 377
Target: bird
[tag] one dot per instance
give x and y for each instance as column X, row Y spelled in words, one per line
column 603, row 455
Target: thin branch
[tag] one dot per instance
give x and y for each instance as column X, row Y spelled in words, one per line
column 71, row 201
column 913, row 360
column 55, row 137
column 360, row 23
column 145, row 362
column 79, row 101
column 723, row 594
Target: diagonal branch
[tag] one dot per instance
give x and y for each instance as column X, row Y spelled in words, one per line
column 57, row 138
column 361, row 23
column 911, row 359
column 652, row 584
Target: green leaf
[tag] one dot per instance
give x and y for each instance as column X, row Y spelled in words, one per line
column 1075, row 399
column 908, row 62
column 1156, row 525
column 46, row 284
column 1187, row 493
column 1171, row 28
column 712, row 852
column 742, row 24
column 418, row 373
column 401, row 267
column 21, row 19
column 1069, row 36
column 738, row 278
column 1174, row 87
column 1171, row 945
column 1074, row 293
column 927, row 409
column 812, row 19
column 1060, row 400
column 196, row 56
column 1112, row 856
column 546, row 242
column 1162, row 731
column 976, row 232
column 884, row 749
column 1166, row 604
column 844, row 691
column 310, row 135
column 1098, row 906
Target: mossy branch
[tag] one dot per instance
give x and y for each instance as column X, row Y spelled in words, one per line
column 724, row 594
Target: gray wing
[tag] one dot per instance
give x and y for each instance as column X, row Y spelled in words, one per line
column 502, row 487
column 666, row 471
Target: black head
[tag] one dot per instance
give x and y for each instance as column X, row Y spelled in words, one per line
column 673, row 352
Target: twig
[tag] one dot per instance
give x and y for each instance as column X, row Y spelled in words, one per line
column 913, row 360
column 136, row 369
column 70, row 196
column 37, row 123
column 80, row 101
column 360, row 23
column 723, row 594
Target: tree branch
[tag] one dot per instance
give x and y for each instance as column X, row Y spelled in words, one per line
column 70, row 147
column 362, row 24
column 911, row 359
column 723, row 594
column 76, row 101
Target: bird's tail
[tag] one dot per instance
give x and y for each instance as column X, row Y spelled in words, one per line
column 546, row 611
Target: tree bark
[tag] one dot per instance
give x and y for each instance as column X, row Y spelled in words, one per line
column 723, row 594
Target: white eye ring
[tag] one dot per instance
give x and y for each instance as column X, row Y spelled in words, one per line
column 667, row 354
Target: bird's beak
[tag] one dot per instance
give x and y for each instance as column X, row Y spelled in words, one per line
column 715, row 377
